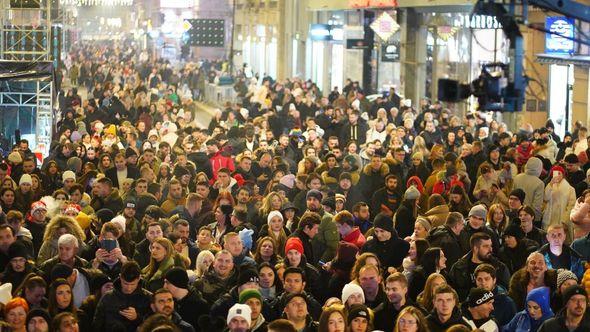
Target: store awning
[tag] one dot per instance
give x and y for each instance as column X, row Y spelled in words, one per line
column 564, row 59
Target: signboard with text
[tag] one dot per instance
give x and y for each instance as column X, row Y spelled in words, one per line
column 390, row 52
column 372, row 3
column 560, row 27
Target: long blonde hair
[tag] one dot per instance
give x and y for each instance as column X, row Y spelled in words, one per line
column 199, row 268
column 425, row 298
column 152, row 267
column 61, row 221
column 266, row 203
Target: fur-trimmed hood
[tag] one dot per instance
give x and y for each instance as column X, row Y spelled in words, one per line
column 384, row 170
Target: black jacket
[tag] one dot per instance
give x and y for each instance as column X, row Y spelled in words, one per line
column 462, row 279
column 191, row 307
column 557, row 323
column 454, row 246
column 435, row 325
column 142, row 253
column 386, row 314
column 107, row 316
column 313, row 306
column 391, row 253
column 111, row 173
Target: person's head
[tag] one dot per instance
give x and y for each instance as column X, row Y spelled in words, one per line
column 396, row 288
column 233, row 244
column 7, row 237
column 153, row 231
column 538, row 303
column 60, row 296
column 310, row 223
column 526, row 214
column 15, row 313
column 296, row 307
column 360, row 211
column 103, row 187
column 293, row 280
column 536, row 265
column 477, row 216
column 38, row 320
column 556, row 235
column 67, row 246
column 516, row 199
column 433, row 260
column 575, row 300
column 253, row 299
column 313, row 200
column 565, row 279
column 411, row 319
column 332, row 320
column 455, row 222
column 344, row 222
column 391, row 182
column 359, row 318
column 281, row 325
column 485, row 276
column 223, row 264
column 481, row 246
column 129, row 277
column 163, row 302
column 421, row 228
column 480, row 303
column 294, row 251
column 383, row 227
column 65, row 322
column 161, row 249
column 445, row 300
column 369, row 279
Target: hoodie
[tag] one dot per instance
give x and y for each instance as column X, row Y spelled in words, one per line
column 523, row 322
column 532, row 185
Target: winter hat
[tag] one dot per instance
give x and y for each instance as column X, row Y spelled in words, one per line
column 347, row 252
column 153, row 132
column 340, row 197
column 424, row 222
column 246, row 237
column 571, row 291
column 76, row 136
column 130, row 203
column 479, row 211
column 541, row 296
column 358, row 310
column 534, row 166
column 17, row 249
column 120, row 221
column 345, row 176
column 294, row 243
column 479, row 296
column 246, row 274
column 518, row 193
column 177, row 277
column 110, row 130
column 564, row 275
column 129, row 152
column 350, row 159
column 72, row 207
column 61, row 271
column 15, row 158
column 288, row 181
column 247, row 294
column 154, row 211
column 180, row 171
column 315, row 194
column 240, row 310
column 351, row 288
column 98, row 281
column 273, row 214
column 571, row 159
column 5, row 293
column 412, row 193
column 38, row 205
column 104, row 215
column 38, row 312
column 68, row 175
column 384, row 222
column 25, row 178
column 558, row 169
column 514, row 230
column 329, row 201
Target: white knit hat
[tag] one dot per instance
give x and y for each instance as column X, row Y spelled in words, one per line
column 273, row 214
column 120, row 220
column 5, row 293
column 25, row 178
column 68, row 175
column 240, row 310
column 350, row 289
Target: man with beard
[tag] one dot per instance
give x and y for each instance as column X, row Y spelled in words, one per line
column 396, row 288
column 387, row 198
column 239, row 318
column 327, row 238
column 175, row 197
column 163, row 303
column 461, row 276
column 574, row 317
column 534, row 275
column 189, row 248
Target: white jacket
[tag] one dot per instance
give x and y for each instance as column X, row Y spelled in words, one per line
column 560, row 200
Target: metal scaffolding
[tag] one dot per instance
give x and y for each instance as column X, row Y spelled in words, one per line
column 26, row 30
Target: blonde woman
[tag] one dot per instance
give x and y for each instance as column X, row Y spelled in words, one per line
column 163, row 257
column 272, row 202
column 425, row 298
column 204, row 261
column 58, row 226
column 420, row 146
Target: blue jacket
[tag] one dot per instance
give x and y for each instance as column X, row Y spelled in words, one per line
column 523, row 322
column 577, row 263
column 582, row 246
column 504, row 306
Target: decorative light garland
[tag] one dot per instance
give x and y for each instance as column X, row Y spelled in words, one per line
column 105, row 3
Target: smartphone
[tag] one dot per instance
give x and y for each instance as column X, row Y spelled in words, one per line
column 108, row 244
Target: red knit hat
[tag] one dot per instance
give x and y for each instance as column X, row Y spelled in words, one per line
column 557, row 168
column 294, row 243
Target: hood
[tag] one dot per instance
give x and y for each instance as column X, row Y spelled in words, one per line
column 534, row 166
column 439, row 232
column 384, row 170
column 541, row 297
column 416, row 180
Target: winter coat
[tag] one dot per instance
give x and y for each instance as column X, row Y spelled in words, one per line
column 504, row 307
column 516, row 258
column 391, row 253
column 326, row 240
column 212, row 286
column 560, row 200
column 533, row 187
column 462, row 279
column 355, row 237
column 580, row 217
column 454, row 246
column 582, row 247
column 386, row 314
column 107, row 316
column 372, row 180
column 313, row 306
column 519, row 283
column 155, row 280
column 576, row 260
column 404, row 219
column 523, row 322
column 191, row 307
column 384, row 201
column 435, row 325
column 437, row 216
column 557, row 323
column 112, row 202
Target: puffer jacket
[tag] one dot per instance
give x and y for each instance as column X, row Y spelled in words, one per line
column 532, row 185
column 437, row 216
column 107, row 316
column 580, row 217
column 560, row 200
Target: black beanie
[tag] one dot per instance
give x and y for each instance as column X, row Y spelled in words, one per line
column 247, row 274
column 177, row 277
column 384, row 222
column 17, row 249
column 98, row 281
column 129, row 152
column 514, row 230
column 38, row 312
column 61, row 271
column 518, row 193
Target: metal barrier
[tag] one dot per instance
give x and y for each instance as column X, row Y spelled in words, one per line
column 218, row 95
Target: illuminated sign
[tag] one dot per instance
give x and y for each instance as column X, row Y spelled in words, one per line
column 477, row 22
column 560, row 27
column 326, row 32
column 385, row 26
column 372, row 3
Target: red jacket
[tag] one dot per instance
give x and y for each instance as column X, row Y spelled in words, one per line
column 355, row 237
column 219, row 161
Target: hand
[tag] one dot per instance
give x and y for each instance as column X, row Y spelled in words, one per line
column 262, row 177
column 116, row 253
column 129, row 313
column 101, row 254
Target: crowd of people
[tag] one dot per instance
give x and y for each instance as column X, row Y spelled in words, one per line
column 293, row 210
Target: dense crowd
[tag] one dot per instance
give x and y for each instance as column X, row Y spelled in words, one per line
column 293, row 210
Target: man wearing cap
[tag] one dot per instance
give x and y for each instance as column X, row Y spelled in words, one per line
column 239, row 318
column 69, row 179
column 396, row 288
column 515, row 202
column 478, row 308
column 476, row 223
column 190, row 305
column 461, row 273
column 515, row 248
column 504, row 307
column 295, row 311
column 253, row 299
column 326, row 241
column 386, row 244
column 121, row 171
column 36, row 222
column 345, row 223
column 163, row 303
column 132, row 225
column 574, row 317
